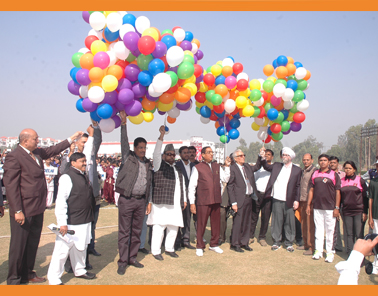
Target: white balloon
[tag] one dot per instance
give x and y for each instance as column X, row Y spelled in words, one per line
column 229, row 106
column 308, row 85
column 97, row 20
column 107, row 125
column 279, row 90
column 259, row 102
column 126, row 28
column 263, row 128
column 288, row 95
column 226, row 97
column 83, row 50
column 259, row 121
column 194, row 48
column 113, row 58
column 114, row 21
column 261, row 82
column 122, row 13
column 303, row 105
column 96, row 94
column 175, row 55
column 174, row 104
column 179, row 34
column 227, row 62
column 121, row 50
column 162, row 82
column 98, row 34
column 288, row 105
column 142, row 23
column 262, row 135
column 83, row 90
column 152, row 92
column 300, row 73
column 242, row 76
column 111, row 46
column 174, row 113
column 204, row 120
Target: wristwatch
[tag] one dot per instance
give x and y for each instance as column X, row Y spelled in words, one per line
column 20, row 211
column 337, row 208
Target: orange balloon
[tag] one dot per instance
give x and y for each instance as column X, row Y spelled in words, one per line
column 268, row 70
column 281, row 72
column 134, row 62
column 217, row 124
column 183, row 95
column 290, row 60
column 86, row 61
column 227, row 71
column 234, row 94
column 308, row 75
column 166, row 98
column 196, row 41
column 96, row 74
column 241, row 113
column 290, row 69
column 221, row 89
column 280, row 106
column 148, row 105
column 211, row 87
column 171, row 120
column 116, row 71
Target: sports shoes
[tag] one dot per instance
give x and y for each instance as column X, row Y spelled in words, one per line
column 329, row 258
column 290, row 249
column 199, row 252
column 317, row 255
column 216, row 250
column 275, row 247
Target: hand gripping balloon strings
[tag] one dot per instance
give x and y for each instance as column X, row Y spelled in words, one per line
column 165, row 124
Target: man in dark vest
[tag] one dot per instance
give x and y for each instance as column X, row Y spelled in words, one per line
column 74, row 211
column 205, row 197
column 168, row 199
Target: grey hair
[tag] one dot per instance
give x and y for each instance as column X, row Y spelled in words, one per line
column 233, row 154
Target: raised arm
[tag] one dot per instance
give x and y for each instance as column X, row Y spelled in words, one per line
column 97, row 138
column 125, row 147
column 157, row 152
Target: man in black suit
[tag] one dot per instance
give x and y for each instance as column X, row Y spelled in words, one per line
column 183, row 235
column 284, row 187
column 241, row 187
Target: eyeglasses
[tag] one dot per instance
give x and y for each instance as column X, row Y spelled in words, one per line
column 285, row 155
column 170, row 154
column 209, row 152
column 241, row 155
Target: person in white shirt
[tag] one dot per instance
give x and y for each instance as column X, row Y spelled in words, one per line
column 49, row 175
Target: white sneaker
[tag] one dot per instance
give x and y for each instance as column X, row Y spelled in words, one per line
column 199, row 252
column 216, row 250
column 317, row 255
column 329, row 258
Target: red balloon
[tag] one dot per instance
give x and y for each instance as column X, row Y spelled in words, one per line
column 213, row 117
column 88, row 41
column 242, row 84
column 218, row 109
column 177, row 27
column 275, row 128
column 299, row 117
column 236, row 111
column 262, row 112
column 173, row 89
column 209, row 79
column 200, row 97
column 164, row 59
column 146, row 45
column 268, row 139
column 264, row 94
column 237, row 68
column 197, row 70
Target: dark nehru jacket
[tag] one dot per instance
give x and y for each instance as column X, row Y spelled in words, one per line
column 81, row 201
column 164, row 185
column 208, row 188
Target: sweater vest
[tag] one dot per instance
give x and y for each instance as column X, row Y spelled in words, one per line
column 208, row 186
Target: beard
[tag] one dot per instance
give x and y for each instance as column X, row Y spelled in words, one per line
column 286, row 160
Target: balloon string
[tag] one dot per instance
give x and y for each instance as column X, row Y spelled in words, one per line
column 225, row 143
column 266, row 136
column 165, row 119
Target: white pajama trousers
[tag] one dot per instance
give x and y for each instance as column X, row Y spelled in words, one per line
column 59, row 257
column 49, row 198
column 158, row 235
column 324, row 222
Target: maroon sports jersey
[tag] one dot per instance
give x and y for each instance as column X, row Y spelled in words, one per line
column 325, row 185
column 353, row 195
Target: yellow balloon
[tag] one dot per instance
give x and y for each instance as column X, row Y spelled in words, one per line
column 216, row 70
column 191, row 79
column 92, row 84
column 188, row 52
column 109, row 83
column 220, row 63
column 148, row 116
column 272, row 78
column 241, row 102
column 255, row 84
column 203, row 87
column 248, row 111
column 266, row 121
column 199, row 105
column 165, row 107
column 136, row 119
column 245, row 93
column 255, row 126
column 98, row 46
column 209, row 104
column 152, row 33
column 106, row 13
column 192, row 88
column 290, row 116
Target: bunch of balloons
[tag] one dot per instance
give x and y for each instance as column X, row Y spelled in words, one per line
column 128, row 65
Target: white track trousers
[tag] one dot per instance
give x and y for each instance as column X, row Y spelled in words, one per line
column 325, row 222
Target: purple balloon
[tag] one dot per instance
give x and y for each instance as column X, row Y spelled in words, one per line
column 82, row 76
column 173, row 69
column 130, row 39
column 115, row 111
column 195, row 59
column 134, row 108
column 160, row 49
column 199, row 78
column 119, row 106
column 228, row 127
column 185, row 106
column 132, row 72
column 123, row 83
column 199, row 54
column 186, row 45
column 117, row 120
column 161, row 112
column 151, row 98
column 126, row 96
column 136, row 52
column 88, row 105
column 295, row 127
column 139, row 90
column 110, row 98
column 85, row 15
column 286, row 133
column 73, row 88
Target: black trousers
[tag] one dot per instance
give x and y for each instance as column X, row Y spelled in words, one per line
column 223, row 225
column 183, row 234
column 96, row 213
column 242, row 224
column 264, row 206
column 352, row 230
column 23, row 248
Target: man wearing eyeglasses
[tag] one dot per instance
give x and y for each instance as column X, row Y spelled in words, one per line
column 168, row 199
column 204, row 193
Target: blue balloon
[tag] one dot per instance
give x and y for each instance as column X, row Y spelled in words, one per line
column 304, row 98
column 111, row 36
column 275, row 64
column 73, row 74
column 188, row 36
column 298, row 64
column 129, row 19
column 231, row 58
column 169, row 41
column 205, row 111
column 220, row 80
column 79, row 106
column 292, row 84
column 237, row 116
column 156, row 66
column 282, row 60
column 94, row 116
column 103, row 40
column 166, row 128
column 220, row 131
column 145, row 78
column 272, row 114
column 285, row 113
column 220, row 115
column 234, row 123
column 233, row 134
column 269, row 131
column 104, row 111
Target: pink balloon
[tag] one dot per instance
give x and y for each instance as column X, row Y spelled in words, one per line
column 275, row 101
column 230, row 82
column 101, row 60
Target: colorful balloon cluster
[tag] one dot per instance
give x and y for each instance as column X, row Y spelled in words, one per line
column 129, row 65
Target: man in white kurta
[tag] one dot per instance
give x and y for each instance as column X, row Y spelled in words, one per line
column 164, row 214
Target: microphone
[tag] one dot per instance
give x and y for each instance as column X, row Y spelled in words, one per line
column 68, row 231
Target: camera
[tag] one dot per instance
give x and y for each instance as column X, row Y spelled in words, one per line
column 369, row 266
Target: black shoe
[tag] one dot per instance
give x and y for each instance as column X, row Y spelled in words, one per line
column 137, row 264
column 236, row 249
column 87, row 276
column 178, row 248
column 88, row 267
column 172, row 254
column 69, row 270
column 189, row 246
column 144, row 251
column 158, row 257
column 220, row 242
column 247, row 248
column 61, row 284
column 94, row 252
column 121, row 270
column 338, row 250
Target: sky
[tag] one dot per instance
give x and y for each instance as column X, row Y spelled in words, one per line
column 339, row 48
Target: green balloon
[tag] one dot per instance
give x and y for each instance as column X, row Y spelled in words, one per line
column 167, row 32
column 185, row 70
column 294, row 109
column 189, row 59
column 130, row 58
column 280, row 118
column 143, row 61
column 291, row 77
column 153, row 111
column 198, row 110
column 76, row 59
column 257, row 111
column 283, row 81
column 208, row 70
column 268, row 86
column 223, row 138
column 216, row 99
column 255, row 95
column 209, row 94
column 173, row 76
column 278, row 136
column 268, row 106
column 298, row 96
column 285, row 126
column 302, row 84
